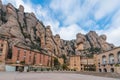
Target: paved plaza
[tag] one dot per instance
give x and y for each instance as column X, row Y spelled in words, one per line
column 49, row 76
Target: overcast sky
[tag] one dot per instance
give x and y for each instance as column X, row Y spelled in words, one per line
column 69, row 17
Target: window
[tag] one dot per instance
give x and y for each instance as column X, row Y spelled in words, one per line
column 29, row 58
column 30, row 53
column 35, row 56
column 1, row 45
column 104, row 59
column 99, row 64
column 0, row 50
column 74, row 64
column 18, row 54
column 34, row 59
column 111, row 58
column 43, row 58
column 24, row 52
column 118, row 57
column 40, row 58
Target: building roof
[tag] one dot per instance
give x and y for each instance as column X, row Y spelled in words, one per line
column 109, row 50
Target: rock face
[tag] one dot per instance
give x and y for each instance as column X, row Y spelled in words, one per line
column 94, row 40
column 24, row 29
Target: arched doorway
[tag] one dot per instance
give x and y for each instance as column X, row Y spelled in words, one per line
column 104, row 70
column 100, row 70
column 112, row 70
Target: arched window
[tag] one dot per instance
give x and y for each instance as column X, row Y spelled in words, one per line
column 111, row 58
column 103, row 59
column 118, row 57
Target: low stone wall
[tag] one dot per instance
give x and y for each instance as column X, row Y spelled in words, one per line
column 117, row 70
column 2, row 67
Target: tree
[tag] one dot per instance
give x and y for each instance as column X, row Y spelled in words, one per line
column 56, row 63
column 94, row 50
column 64, row 58
column 64, row 67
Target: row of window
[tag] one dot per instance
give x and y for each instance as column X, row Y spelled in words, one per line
column 111, row 59
column 42, row 57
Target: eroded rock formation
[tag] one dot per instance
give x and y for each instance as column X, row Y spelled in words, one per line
column 24, row 29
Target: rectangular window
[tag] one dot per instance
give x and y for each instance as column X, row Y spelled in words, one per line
column 18, row 54
column 35, row 58
column 43, row 58
column 1, row 45
column 74, row 64
column 30, row 57
column 0, row 51
column 40, row 58
column 24, row 52
column 24, row 58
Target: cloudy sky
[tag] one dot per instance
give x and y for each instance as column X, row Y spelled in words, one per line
column 69, row 17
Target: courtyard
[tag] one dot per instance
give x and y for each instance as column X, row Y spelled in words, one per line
column 50, row 76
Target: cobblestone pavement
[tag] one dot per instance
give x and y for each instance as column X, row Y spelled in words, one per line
column 48, row 76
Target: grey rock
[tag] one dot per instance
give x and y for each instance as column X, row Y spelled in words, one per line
column 21, row 8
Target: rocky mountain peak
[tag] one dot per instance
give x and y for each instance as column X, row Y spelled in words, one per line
column 0, row 4
column 57, row 36
column 80, row 38
column 21, row 8
column 104, row 37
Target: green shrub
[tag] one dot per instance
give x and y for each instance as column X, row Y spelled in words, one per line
column 48, row 69
column 42, row 69
column 117, row 65
column 35, row 69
